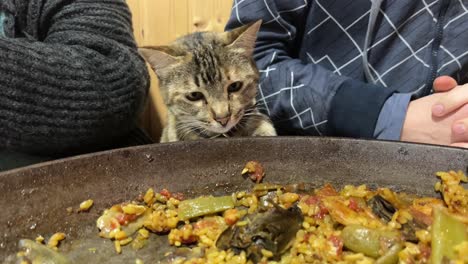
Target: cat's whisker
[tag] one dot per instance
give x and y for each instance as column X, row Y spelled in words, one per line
column 183, row 133
column 190, row 129
column 260, row 104
column 256, row 107
column 204, row 130
column 184, row 128
column 241, row 124
column 189, row 122
column 250, row 109
column 262, row 108
column 254, row 118
column 187, row 127
column 255, row 114
column 192, row 125
column 182, row 124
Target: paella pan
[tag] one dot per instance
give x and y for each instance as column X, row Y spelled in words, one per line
column 36, row 198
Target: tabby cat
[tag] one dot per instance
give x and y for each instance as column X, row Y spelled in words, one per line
column 208, row 82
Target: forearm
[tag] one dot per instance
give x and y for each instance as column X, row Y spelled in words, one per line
column 82, row 86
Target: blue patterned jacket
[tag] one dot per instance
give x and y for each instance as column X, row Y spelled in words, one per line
column 350, row 67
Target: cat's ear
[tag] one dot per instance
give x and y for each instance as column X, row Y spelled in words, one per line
column 244, row 37
column 161, row 57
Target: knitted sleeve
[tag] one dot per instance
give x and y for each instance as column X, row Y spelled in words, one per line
column 79, row 85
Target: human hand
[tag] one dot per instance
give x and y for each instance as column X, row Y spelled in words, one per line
column 449, row 103
column 422, row 126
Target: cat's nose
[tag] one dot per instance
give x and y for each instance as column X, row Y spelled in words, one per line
column 223, row 120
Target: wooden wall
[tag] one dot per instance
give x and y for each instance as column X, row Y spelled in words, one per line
column 158, row 22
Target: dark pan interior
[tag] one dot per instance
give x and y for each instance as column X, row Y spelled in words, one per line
column 34, row 199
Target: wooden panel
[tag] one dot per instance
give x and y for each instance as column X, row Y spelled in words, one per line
column 208, row 15
column 134, row 6
column 159, row 22
column 136, row 17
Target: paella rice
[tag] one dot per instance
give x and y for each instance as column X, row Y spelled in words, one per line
column 351, row 225
column 86, row 205
column 284, row 224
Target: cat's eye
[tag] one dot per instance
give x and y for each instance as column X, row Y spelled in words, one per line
column 234, row 87
column 195, row 96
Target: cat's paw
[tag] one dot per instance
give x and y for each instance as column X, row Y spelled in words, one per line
column 265, row 129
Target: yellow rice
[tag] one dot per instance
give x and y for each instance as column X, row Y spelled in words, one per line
column 318, row 239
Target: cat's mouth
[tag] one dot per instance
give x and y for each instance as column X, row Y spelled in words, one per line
column 217, row 128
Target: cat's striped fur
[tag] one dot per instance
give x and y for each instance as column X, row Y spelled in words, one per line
column 209, row 81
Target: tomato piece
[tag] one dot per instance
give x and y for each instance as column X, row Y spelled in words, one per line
column 337, row 243
column 312, row 200
column 206, row 223
column 113, row 225
column 353, row 205
column 165, row 193
column 323, row 211
column 124, row 219
column 316, row 200
column 327, row 190
column 255, row 171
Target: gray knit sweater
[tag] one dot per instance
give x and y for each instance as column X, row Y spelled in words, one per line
column 71, row 79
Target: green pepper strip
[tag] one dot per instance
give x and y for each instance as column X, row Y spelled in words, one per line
column 368, row 241
column 204, row 206
column 447, row 232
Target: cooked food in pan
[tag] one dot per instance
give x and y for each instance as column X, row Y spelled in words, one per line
column 290, row 224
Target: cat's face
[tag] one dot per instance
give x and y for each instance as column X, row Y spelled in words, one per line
column 208, row 80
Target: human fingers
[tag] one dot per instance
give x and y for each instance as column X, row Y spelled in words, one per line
column 460, row 145
column 451, row 101
column 444, row 84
